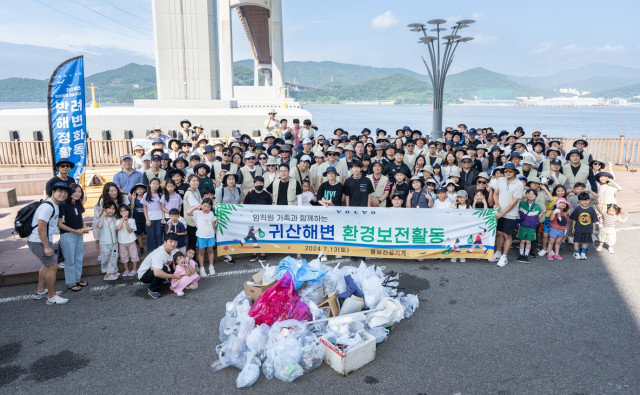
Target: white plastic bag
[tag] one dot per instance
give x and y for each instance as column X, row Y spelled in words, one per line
column 409, row 302
column 379, row 333
column 286, row 360
column 373, row 291
column 249, row 373
column 257, row 339
column 392, row 312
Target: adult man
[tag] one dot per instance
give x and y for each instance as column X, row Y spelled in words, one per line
column 63, row 166
column 348, row 157
column 247, row 173
column 528, row 168
column 358, row 148
column 506, row 196
column 332, row 160
column 154, row 172
column 284, row 189
column 468, row 174
column 433, row 156
column 307, row 131
column 397, row 166
column 126, row 178
column 271, row 124
column 473, row 141
column 381, row 186
column 209, row 155
column 409, row 156
column 155, row 267
column 285, row 157
column 306, row 149
column 224, row 164
column 40, row 243
column 553, row 175
column 578, row 171
column 552, row 154
column 330, row 191
column 357, row 188
column 258, row 196
column 283, row 128
column 482, row 185
column 301, row 171
column 185, row 133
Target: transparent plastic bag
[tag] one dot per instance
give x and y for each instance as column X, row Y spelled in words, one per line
column 373, row 291
column 379, row 333
column 333, row 282
column 249, row 373
column 257, row 339
column 312, row 353
column 300, row 271
column 409, row 302
column 286, row 359
column 314, row 292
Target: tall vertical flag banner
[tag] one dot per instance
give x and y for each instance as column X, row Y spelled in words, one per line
column 67, row 117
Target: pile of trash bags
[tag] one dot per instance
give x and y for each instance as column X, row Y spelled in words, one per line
column 279, row 334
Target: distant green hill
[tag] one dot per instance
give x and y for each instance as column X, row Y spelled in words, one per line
column 627, row 92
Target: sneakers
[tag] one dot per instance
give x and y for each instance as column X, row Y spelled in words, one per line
column 241, row 243
column 338, row 256
column 61, row 266
column 262, row 260
column 253, row 258
column 577, row 255
column 463, row 260
column 583, row 256
column 323, row 258
column 227, row 259
column 550, row 257
column 180, row 293
column 141, row 251
column 39, row 295
column 502, row 262
column 471, row 251
column 525, row 258
column 484, row 250
column 212, row 271
column 542, row 253
column 203, row 273
column 521, row 258
column 154, row 295
column 599, row 248
column 558, row 257
column 126, row 273
column 496, row 256
column 610, row 250
column 191, row 286
column 454, row 260
column 133, row 273
column 110, row 277
column 56, row 300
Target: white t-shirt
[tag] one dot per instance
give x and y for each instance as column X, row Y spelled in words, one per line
column 46, row 213
column 155, row 260
column 438, row 204
column 124, row 237
column 204, row 223
column 507, row 192
column 305, row 198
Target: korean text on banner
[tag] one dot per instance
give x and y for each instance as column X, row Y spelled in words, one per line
column 356, row 231
column 67, row 118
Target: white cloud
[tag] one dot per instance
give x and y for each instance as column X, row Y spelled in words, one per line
column 476, row 16
column 541, row 48
column 482, row 39
column 610, row 48
column 574, row 48
column 384, row 21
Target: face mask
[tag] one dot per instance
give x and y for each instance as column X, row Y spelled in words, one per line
column 258, row 187
column 451, row 188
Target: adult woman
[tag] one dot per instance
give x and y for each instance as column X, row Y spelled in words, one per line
column 192, row 198
column 229, row 192
column 494, row 158
column 449, row 163
column 369, row 149
column 398, row 143
column 71, row 227
column 236, row 158
column 418, row 166
column 262, row 162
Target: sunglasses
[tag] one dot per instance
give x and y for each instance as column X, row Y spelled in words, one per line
column 332, row 154
column 64, row 165
column 482, row 182
column 262, row 159
column 226, row 155
column 466, row 161
column 250, row 159
column 509, row 171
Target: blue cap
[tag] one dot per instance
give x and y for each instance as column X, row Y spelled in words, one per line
column 515, row 154
column 509, row 166
column 61, row 185
column 330, row 169
column 326, row 142
column 165, row 156
column 209, row 148
column 186, row 142
column 156, row 140
column 406, row 128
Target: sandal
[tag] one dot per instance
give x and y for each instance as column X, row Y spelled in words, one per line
column 74, row 288
column 82, row 283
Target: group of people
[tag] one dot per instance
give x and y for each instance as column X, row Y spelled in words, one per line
column 167, row 193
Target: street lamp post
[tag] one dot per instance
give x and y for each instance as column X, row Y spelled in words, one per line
column 440, row 62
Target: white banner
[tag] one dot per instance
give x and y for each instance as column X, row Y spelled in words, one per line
column 405, row 233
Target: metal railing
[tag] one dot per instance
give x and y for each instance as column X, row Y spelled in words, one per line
column 619, row 150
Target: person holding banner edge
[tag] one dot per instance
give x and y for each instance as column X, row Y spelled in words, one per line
column 507, row 197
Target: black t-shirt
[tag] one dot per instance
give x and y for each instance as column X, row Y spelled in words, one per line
column 358, row 191
column 282, row 191
column 254, row 197
column 54, row 180
column 391, row 169
column 402, row 189
column 584, row 219
column 71, row 215
column 331, row 192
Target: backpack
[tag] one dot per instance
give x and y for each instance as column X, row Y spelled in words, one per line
column 24, row 218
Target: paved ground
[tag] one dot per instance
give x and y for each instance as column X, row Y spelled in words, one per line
column 562, row 327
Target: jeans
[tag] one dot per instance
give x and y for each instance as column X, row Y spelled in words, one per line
column 154, row 235
column 72, row 247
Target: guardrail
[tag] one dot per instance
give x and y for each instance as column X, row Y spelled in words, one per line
column 619, row 150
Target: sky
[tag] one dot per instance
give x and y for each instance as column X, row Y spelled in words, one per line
column 516, row 38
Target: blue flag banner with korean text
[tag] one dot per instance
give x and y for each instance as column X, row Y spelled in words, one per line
column 67, row 118
column 403, row 233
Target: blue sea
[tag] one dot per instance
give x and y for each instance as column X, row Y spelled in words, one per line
column 552, row 121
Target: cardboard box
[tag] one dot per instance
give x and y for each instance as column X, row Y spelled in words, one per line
column 345, row 363
column 253, row 291
column 331, row 302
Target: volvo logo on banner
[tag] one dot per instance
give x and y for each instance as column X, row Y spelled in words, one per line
column 67, row 118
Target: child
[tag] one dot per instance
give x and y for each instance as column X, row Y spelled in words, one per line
column 186, row 267
column 574, row 202
column 154, row 218
column 480, row 201
column 451, row 186
column 530, row 214
column 396, row 200
column 443, row 201
column 431, row 188
column 306, row 197
column 171, row 199
column 137, row 192
column 175, row 226
column 584, row 219
column 460, row 204
column 608, row 230
column 418, row 197
column 557, row 227
column 607, row 190
column 126, row 228
column 206, row 234
column 108, row 242
column 559, row 191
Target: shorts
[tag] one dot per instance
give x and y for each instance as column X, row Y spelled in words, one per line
column 526, row 233
column 206, row 242
column 582, row 238
column 506, row 225
column 128, row 252
column 38, row 250
column 607, row 235
column 140, row 228
column 556, row 233
column 546, row 225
